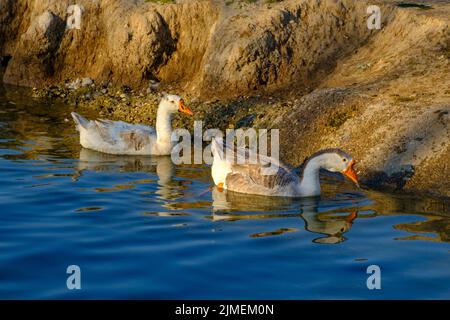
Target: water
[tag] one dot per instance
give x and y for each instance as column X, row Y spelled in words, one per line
column 140, row 227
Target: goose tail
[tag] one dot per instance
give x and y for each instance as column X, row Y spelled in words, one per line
column 217, row 148
column 80, row 121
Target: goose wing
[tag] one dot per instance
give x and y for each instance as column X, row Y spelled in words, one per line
column 118, row 130
column 222, row 151
column 251, row 178
column 129, row 136
column 256, row 173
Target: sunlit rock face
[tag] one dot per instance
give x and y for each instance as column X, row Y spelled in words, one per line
column 32, row 59
column 203, row 46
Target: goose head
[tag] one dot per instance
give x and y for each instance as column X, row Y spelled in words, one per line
column 335, row 160
column 171, row 103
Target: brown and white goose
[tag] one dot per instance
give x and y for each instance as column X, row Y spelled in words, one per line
column 285, row 182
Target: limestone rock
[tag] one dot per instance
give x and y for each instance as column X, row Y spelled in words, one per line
column 32, row 61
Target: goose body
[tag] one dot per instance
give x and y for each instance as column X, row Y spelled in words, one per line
column 118, row 137
column 284, row 181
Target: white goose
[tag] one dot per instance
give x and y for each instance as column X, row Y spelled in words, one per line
column 118, row 137
column 249, row 178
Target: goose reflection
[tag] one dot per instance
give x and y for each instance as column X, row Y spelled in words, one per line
column 330, row 226
column 224, row 200
column 161, row 165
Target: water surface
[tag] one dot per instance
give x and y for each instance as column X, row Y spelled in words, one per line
column 141, row 227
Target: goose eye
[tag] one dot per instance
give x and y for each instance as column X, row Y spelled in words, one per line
column 345, row 160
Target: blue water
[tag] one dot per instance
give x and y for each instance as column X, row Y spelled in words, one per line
column 140, row 227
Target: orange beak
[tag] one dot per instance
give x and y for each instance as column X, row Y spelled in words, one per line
column 352, row 216
column 350, row 172
column 184, row 108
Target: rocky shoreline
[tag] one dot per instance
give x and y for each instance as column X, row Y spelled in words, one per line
column 140, row 106
column 323, row 79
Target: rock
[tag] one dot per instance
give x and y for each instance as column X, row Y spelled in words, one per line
column 223, row 49
column 86, row 82
column 33, row 59
column 80, row 83
column 154, row 85
column 74, row 85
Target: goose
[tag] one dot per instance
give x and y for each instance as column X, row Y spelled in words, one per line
column 249, row 178
column 122, row 138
